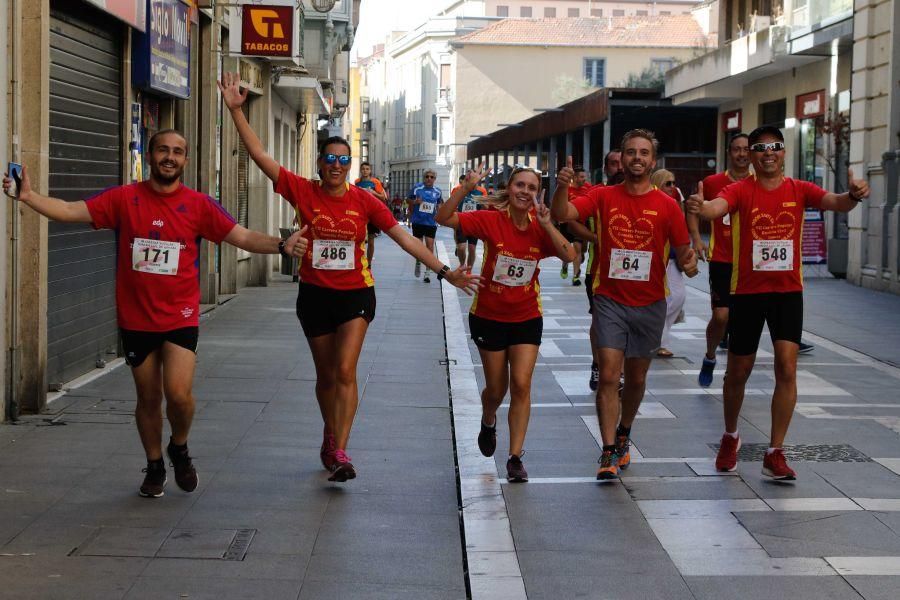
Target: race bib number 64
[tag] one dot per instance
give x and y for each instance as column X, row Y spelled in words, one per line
column 631, row 265
column 155, row 256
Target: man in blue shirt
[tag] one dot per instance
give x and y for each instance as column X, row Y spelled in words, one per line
column 424, row 198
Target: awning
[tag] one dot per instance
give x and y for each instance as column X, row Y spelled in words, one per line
column 302, row 93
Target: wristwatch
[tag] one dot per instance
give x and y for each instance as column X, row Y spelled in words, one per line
column 444, row 270
column 282, row 251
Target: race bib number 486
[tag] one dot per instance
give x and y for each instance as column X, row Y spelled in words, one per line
column 773, row 255
column 155, row 256
column 631, row 265
column 333, row 255
column 514, row 272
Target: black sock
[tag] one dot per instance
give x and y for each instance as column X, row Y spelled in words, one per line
column 610, row 448
column 159, row 462
column 621, row 430
column 176, row 448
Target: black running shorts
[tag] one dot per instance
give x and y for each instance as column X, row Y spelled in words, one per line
column 372, row 230
column 494, row 336
column 570, row 237
column 719, row 284
column 322, row 310
column 420, row 231
column 463, row 239
column 138, row 345
column 781, row 311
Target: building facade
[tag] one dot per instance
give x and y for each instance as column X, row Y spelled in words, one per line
column 89, row 82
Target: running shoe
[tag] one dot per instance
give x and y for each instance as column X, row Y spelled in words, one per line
column 576, row 281
column 621, row 383
column 805, row 348
column 418, row 270
column 664, row 353
column 726, row 459
column 623, row 451
column 185, row 474
column 515, row 470
column 155, row 480
column 776, row 467
column 724, row 343
column 594, row 381
column 706, row 372
column 609, row 468
column 564, row 272
column 342, row 469
column 427, row 279
column 487, row 439
column 326, row 453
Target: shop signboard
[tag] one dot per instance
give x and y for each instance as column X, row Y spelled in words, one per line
column 810, row 105
column 731, row 121
column 132, row 12
column 267, row 30
column 813, row 244
column 162, row 56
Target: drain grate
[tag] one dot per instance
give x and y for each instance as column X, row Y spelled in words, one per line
column 239, row 545
column 809, row 452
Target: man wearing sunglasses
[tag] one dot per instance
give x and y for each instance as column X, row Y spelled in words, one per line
column 425, row 198
column 766, row 285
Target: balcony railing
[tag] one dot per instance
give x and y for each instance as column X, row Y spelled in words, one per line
column 806, row 15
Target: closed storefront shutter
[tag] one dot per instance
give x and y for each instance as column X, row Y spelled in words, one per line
column 85, row 158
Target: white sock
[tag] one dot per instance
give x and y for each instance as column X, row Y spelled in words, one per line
column 733, row 435
column 771, row 450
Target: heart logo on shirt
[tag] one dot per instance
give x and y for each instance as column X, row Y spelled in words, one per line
column 633, row 235
column 766, row 227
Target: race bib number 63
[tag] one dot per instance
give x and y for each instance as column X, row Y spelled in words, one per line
column 513, row 272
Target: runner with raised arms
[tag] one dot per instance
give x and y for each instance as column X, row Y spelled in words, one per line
column 505, row 320
column 336, row 300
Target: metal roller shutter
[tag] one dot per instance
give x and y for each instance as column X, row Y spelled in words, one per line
column 85, row 146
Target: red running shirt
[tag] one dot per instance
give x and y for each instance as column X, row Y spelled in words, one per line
column 173, row 224
column 635, row 233
column 766, row 227
column 578, row 192
column 336, row 257
column 720, row 238
column 513, row 249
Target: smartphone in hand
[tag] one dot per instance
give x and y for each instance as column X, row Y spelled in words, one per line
column 15, row 173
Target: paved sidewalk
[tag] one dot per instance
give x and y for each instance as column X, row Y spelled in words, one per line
column 73, row 526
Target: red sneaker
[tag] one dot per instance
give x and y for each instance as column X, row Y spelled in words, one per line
column 726, row 459
column 776, row 467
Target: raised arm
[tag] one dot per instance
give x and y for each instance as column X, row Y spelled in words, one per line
column 859, row 189
column 560, row 208
column 709, row 210
column 234, row 97
column 564, row 250
column 52, row 208
column 446, row 214
column 260, row 243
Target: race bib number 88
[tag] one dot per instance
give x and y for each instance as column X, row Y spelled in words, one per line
column 155, row 256
column 631, row 265
column 514, row 272
column 333, row 255
column 773, row 255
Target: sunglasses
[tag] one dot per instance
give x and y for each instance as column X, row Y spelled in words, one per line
column 429, row 177
column 669, row 184
column 763, row 147
column 343, row 159
column 521, row 168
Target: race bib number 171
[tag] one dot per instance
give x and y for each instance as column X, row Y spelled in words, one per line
column 155, row 256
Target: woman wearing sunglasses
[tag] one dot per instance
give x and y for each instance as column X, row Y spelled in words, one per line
column 505, row 319
column 336, row 301
column 665, row 181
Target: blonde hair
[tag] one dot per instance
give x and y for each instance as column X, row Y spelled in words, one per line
column 660, row 176
column 500, row 200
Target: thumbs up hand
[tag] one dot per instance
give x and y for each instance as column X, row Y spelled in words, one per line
column 695, row 202
column 566, row 174
column 858, row 188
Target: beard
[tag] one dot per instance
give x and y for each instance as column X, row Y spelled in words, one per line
column 156, row 174
column 616, row 179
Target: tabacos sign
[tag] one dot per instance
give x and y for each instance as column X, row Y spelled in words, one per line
column 267, row 30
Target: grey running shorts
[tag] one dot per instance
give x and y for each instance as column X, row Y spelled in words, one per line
column 636, row 330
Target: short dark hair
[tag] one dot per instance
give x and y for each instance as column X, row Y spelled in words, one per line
column 606, row 158
column 335, row 139
column 462, row 178
column 154, row 138
column 738, row 136
column 365, row 163
column 765, row 130
column 578, row 169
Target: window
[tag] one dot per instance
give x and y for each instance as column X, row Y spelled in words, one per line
column 574, row 12
column 640, row 13
column 595, row 71
column 596, row 12
column 445, row 81
column 525, row 11
column 662, row 64
column 364, row 150
column 502, row 11
column 434, row 127
column 549, row 13
column 773, row 113
column 618, row 12
column 665, row 13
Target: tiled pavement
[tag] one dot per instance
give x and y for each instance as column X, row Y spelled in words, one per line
column 72, row 525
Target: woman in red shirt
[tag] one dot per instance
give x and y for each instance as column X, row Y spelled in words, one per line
column 505, row 319
column 336, row 301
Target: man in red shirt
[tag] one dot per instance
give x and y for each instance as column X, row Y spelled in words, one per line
column 719, row 251
column 636, row 226
column 766, row 284
column 159, row 224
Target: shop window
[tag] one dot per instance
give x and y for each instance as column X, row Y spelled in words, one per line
column 773, row 113
column 812, row 150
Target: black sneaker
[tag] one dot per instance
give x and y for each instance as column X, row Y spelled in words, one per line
column 185, row 473
column 426, row 279
column 805, row 348
column 487, row 439
column 155, row 480
column 515, row 470
column 594, row 381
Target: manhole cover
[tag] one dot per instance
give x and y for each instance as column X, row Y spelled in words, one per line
column 808, row 452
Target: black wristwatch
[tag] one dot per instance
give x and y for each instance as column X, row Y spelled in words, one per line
column 444, row 270
column 282, row 251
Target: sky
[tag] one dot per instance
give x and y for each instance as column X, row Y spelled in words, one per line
column 378, row 18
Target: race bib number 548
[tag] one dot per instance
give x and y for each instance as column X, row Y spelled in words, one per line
column 155, row 256
column 631, row 265
column 773, row 255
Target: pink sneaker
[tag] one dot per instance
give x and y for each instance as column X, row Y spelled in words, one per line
column 776, row 467
column 326, row 454
column 342, row 469
column 726, row 459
